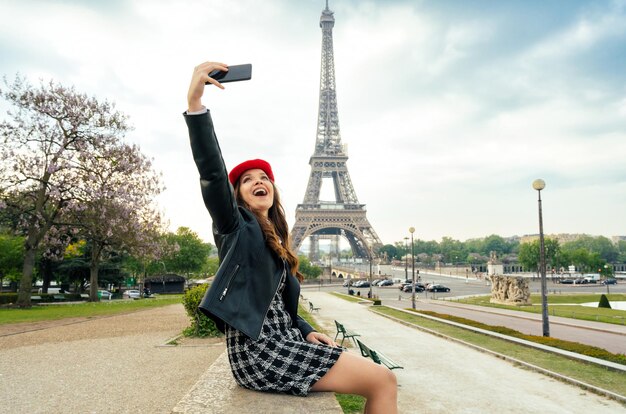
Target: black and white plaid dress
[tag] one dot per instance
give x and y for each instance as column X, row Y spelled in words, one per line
column 281, row 360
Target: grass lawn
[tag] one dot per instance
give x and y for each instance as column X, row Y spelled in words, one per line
column 86, row 309
column 590, row 374
column 349, row 298
column 565, row 306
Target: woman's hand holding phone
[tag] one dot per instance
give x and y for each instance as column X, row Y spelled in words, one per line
column 199, row 78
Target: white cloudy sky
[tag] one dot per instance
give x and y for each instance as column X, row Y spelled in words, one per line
column 450, row 109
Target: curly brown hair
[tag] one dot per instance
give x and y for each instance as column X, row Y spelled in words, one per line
column 275, row 230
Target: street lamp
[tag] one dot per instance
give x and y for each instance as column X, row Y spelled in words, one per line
column 606, row 279
column 540, row 185
column 371, row 296
column 406, row 258
column 412, row 230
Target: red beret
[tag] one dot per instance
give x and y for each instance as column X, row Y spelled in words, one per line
column 236, row 172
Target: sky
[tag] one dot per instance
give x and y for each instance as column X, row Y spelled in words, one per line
column 449, row 109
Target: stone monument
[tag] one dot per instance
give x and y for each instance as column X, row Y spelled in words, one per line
column 494, row 266
column 509, row 290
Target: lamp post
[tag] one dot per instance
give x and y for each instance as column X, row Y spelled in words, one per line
column 406, row 258
column 412, row 230
column 540, row 185
column 371, row 296
column 606, row 279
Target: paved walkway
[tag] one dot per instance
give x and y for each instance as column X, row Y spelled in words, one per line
column 115, row 364
column 441, row 376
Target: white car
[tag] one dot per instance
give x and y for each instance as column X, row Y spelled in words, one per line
column 132, row 294
column 105, row 294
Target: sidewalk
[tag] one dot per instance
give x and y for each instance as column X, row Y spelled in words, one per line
column 440, row 376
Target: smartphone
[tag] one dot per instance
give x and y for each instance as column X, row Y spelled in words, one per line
column 235, row 73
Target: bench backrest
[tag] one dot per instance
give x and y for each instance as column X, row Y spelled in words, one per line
column 365, row 351
column 368, row 353
column 374, row 356
column 340, row 327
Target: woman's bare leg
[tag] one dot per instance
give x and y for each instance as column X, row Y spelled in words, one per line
column 353, row 374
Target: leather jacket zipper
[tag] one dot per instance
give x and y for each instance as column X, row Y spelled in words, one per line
column 230, row 279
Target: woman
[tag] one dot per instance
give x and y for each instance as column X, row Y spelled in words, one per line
column 254, row 296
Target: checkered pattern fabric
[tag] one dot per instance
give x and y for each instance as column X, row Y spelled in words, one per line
column 281, row 360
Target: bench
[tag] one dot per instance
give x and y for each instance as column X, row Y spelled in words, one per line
column 377, row 357
column 35, row 297
column 84, row 296
column 312, row 308
column 345, row 333
column 58, row 297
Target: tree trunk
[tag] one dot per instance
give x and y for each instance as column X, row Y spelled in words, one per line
column 93, row 283
column 23, row 296
column 93, row 272
column 46, row 273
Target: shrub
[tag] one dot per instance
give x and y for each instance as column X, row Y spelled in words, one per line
column 201, row 325
column 604, row 302
column 7, row 298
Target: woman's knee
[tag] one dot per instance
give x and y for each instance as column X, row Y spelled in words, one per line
column 387, row 378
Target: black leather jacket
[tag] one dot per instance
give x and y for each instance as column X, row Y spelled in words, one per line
column 249, row 272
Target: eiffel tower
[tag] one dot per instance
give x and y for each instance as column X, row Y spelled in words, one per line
column 345, row 216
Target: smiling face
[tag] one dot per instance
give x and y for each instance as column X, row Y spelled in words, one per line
column 256, row 190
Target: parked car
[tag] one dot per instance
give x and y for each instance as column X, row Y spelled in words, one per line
column 611, row 281
column 347, row 283
column 132, row 294
column 403, row 284
column 105, row 294
column 438, row 288
column 364, row 284
column 386, row 282
column 580, row 282
column 409, row 288
column 566, row 281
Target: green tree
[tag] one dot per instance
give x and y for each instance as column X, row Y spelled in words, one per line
column 390, row 250
column 11, row 257
column 600, row 245
column 529, row 254
column 453, row 251
column 308, row 270
column 497, row 244
column 621, row 248
column 188, row 253
column 210, row 266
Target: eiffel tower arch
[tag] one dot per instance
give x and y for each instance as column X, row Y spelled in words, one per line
column 344, row 216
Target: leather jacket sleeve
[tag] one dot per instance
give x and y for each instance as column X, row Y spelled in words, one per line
column 303, row 327
column 217, row 192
